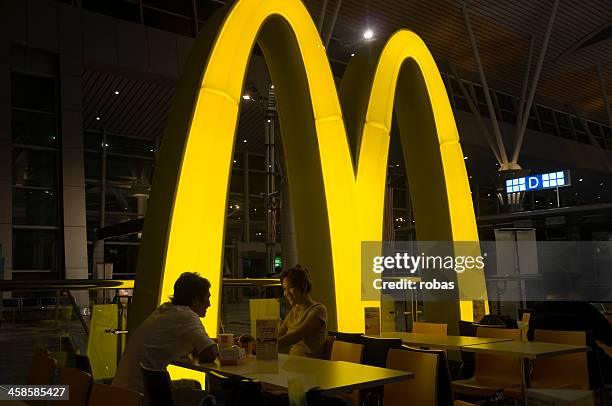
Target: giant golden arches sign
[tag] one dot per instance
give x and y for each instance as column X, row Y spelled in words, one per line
column 336, row 167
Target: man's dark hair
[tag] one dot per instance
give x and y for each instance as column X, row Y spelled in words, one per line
column 189, row 286
column 298, row 277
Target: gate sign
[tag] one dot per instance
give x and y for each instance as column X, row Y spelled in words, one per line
column 550, row 180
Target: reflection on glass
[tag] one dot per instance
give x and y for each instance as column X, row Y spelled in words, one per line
column 34, row 129
column 34, row 207
column 34, row 168
column 35, row 250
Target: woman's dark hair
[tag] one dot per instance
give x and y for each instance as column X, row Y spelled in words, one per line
column 189, row 286
column 298, row 277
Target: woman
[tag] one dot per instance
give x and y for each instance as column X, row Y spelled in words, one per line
column 305, row 327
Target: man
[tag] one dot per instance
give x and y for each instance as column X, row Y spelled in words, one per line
column 170, row 332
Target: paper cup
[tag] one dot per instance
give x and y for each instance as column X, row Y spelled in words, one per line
column 225, row 340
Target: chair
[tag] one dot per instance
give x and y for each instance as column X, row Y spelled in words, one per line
column 430, row 328
column 42, row 369
column 422, row 390
column 238, row 391
column 104, row 395
column 492, row 373
column 328, row 345
column 79, row 383
column 562, row 372
column 345, row 351
column 349, row 352
column 158, row 386
column 375, row 350
column 82, row 363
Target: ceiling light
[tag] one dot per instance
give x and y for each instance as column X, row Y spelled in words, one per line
column 246, row 97
column 98, row 118
column 353, row 54
column 244, row 141
column 465, row 158
column 580, row 180
column 601, row 184
column 234, row 161
column 368, row 34
column 271, row 86
column 116, row 91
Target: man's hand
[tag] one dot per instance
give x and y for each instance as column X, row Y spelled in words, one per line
column 209, row 354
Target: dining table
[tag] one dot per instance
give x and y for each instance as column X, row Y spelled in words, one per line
column 329, row 377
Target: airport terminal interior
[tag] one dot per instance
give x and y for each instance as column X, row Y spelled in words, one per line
column 102, row 104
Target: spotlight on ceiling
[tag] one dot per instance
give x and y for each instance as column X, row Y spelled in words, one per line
column 246, row 97
column 368, row 34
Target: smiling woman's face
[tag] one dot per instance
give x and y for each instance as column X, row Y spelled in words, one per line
column 293, row 294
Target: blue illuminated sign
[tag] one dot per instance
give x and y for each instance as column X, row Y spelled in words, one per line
column 550, row 180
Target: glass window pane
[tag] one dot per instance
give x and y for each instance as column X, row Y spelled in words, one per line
column 123, row 258
column 130, row 146
column 33, row 92
column 34, row 168
column 128, row 169
column 118, row 200
column 93, row 165
column 35, row 250
column 92, row 141
column 34, row 129
column 35, row 207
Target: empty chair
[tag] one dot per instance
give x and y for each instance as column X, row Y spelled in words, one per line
column 561, row 372
column 41, row 372
column 79, row 383
column 430, row 328
column 422, row 390
column 492, row 373
column 104, row 395
column 345, row 351
column 42, row 369
column 350, row 352
column 376, row 348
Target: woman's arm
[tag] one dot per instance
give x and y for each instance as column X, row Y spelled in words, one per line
column 311, row 325
column 282, row 330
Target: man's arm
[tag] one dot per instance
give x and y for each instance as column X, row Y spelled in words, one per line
column 209, row 354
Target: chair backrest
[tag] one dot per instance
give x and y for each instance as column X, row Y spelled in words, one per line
column 564, row 371
column 376, row 348
column 500, row 367
column 42, row 369
column 158, row 386
column 430, row 328
column 82, row 363
column 104, row 395
column 525, row 317
column 345, row 351
column 79, row 383
column 422, row 390
column 238, row 391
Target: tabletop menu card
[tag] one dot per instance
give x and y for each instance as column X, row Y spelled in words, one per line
column 266, row 344
column 372, row 321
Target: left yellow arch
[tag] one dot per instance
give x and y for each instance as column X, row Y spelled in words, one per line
column 336, row 206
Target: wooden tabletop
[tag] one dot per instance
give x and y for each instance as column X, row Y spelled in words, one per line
column 440, row 341
column 332, row 377
column 526, row 349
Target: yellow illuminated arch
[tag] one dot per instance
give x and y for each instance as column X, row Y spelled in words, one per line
column 337, row 203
